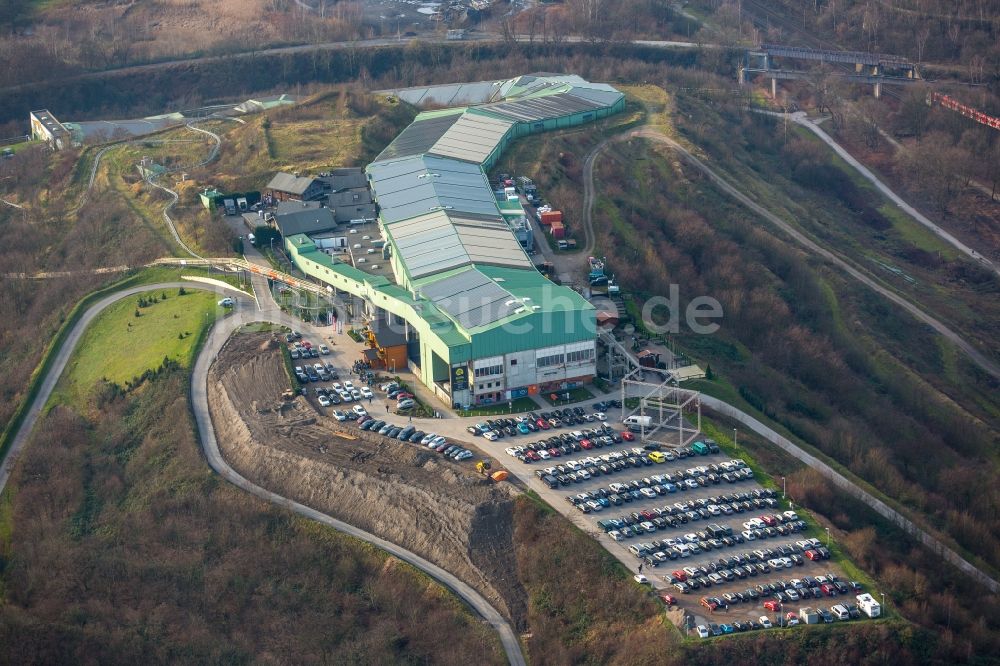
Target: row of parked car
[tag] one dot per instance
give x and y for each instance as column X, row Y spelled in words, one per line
column 715, row 537
column 778, row 592
column 835, row 613
column 568, row 443
column 404, row 399
column 741, row 566
column 525, row 424
column 637, row 489
column 411, row 434
column 300, row 348
column 317, row 372
column 650, row 520
column 339, row 393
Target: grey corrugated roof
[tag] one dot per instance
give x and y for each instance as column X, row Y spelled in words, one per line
column 418, row 137
column 437, row 241
column 541, row 108
column 472, row 138
column 471, row 298
column 451, row 94
column 286, row 182
column 353, row 197
column 345, row 178
column 419, row 185
column 308, row 220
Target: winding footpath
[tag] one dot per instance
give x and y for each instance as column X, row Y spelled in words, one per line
column 246, row 312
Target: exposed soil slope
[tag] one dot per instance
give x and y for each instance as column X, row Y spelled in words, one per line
column 440, row 510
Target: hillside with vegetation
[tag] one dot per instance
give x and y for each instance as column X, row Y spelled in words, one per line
column 65, row 227
column 118, row 544
column 807, row 347
column 830, row 363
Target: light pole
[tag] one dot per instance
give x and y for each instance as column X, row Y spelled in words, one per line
column 828, row 537
column 734, row 437
column 782, row 487
column 883, row 604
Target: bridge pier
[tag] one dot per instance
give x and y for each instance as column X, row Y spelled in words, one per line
column 878, row 89
column 774, row 88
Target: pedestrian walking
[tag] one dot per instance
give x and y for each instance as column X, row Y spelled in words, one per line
column 387, row 408
column 411, row 418
column 640, row 568
column 369, row 401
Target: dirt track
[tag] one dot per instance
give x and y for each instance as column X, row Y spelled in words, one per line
column 438, row 509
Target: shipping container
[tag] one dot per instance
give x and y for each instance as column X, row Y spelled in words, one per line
column 558, row 230
column 551, row 216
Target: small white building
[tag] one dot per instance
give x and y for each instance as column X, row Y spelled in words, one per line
column 868, row 605
column 45, row 127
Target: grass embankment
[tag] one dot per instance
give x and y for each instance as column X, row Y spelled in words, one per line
column 120, row 346
column 144, row 276
column 112, row 517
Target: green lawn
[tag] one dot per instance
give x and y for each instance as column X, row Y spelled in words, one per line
column 118, row 346
column 575, row 395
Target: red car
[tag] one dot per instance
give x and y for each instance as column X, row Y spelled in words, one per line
column 769, row 520
column 772, row 605
column 586, row 444
column 668, row 599
column 555, row 453
column 812, row 555
column 543, row 424
column 828, row 590
column 403, row 395
column 628, row 436
column 681, row 576
column 647, row 514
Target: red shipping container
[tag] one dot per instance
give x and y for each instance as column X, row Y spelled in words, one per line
column 558, row 230
column 552, row 216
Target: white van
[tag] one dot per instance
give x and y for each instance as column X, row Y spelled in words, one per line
column 840, row 612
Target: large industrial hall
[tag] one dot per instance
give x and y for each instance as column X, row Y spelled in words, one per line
column 444, row 279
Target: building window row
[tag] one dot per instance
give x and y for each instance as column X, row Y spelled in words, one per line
column 489, row 371
column 546, row 361
column 580, row 356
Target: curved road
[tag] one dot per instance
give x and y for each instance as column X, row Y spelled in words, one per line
column 974, row 354
column 245, row 313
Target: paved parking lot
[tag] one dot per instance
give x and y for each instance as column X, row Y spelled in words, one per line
column 659, row 576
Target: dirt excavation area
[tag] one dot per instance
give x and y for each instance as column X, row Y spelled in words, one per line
column 432, row 506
